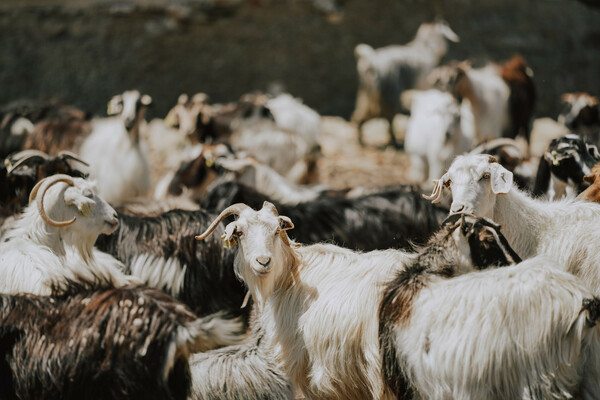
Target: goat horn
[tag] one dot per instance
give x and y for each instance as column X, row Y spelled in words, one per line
column 25, row 156
column 71, row 156
column 40, row 200
column 436, row 194
column 494, row 144
column 234, row 209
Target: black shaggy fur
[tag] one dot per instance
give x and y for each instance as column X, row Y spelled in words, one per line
column 15, row 188
column 100, row 345
column 394, row 217
column 437, row 258
column 210, row 284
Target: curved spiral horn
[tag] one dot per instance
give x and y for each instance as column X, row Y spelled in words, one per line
column 40, row 200
column 234, row 209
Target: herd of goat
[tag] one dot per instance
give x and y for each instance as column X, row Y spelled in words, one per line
column 197, row 257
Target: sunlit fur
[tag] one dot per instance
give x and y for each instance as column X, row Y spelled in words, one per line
column 435, row 134
column 517, row 332
column 42, row 259
column 318, row 305
column 117, row 155
column 291, row 113
column 565, row 230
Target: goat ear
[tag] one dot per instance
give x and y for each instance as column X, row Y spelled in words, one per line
column 501, row 179
column 230, row 231
column 449, row 33
column 83, row 204
column 285, row 223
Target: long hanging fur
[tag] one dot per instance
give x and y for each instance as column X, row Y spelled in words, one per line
column 162, row 253
column 128, row 343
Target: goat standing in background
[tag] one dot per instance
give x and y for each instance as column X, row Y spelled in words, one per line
column 384, row 73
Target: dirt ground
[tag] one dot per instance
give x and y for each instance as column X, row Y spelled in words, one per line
column 346, row 164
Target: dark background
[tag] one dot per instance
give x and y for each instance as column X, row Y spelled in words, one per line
column 83, row 52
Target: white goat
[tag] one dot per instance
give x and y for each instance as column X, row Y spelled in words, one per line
column 115, row 151
column 290, row 113
column 522, row 332
column 268, row 182
column 318, row 304
column 436, row 133
column 565, row 230
column 386, row 72
column 49, row 249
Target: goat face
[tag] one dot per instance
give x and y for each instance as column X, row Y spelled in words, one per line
column 129, row 106
column 570, row 158
column 87, row 214
column 474, row 181
column 259, row 234
column 184, row 116
column 480, row 241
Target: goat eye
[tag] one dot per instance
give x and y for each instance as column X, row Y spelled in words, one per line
column 485, row 176
column 239, row 234
column 448, row 183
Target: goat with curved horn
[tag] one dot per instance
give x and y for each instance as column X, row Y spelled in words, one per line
column 234, row 209
column 24, row 156
column 48, row 182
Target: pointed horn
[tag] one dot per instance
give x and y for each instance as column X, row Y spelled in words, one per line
column 436, row 195
column 67, row 155
column 234, row 209
column 24, row 157
column 40, row 200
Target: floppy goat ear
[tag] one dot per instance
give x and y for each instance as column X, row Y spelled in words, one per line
column 501, row 179
column 83, row 204
column 285, row 223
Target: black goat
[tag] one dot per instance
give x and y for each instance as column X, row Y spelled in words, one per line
column 162, row 252
column 127, row 343
column 395, row 216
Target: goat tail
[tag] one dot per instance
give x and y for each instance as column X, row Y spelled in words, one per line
column 592, row 308
column 214, row 330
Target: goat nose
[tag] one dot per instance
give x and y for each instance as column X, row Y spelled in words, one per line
column 263, row 260
column 457, row 209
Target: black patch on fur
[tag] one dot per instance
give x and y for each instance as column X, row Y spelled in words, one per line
column 592, row 306
column 210, row 284
column 71, row 347
column 395, row 217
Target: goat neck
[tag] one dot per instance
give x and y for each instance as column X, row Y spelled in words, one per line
column 521, row 215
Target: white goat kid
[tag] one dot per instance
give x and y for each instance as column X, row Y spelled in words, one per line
column 49, row 249
column 566, row 230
